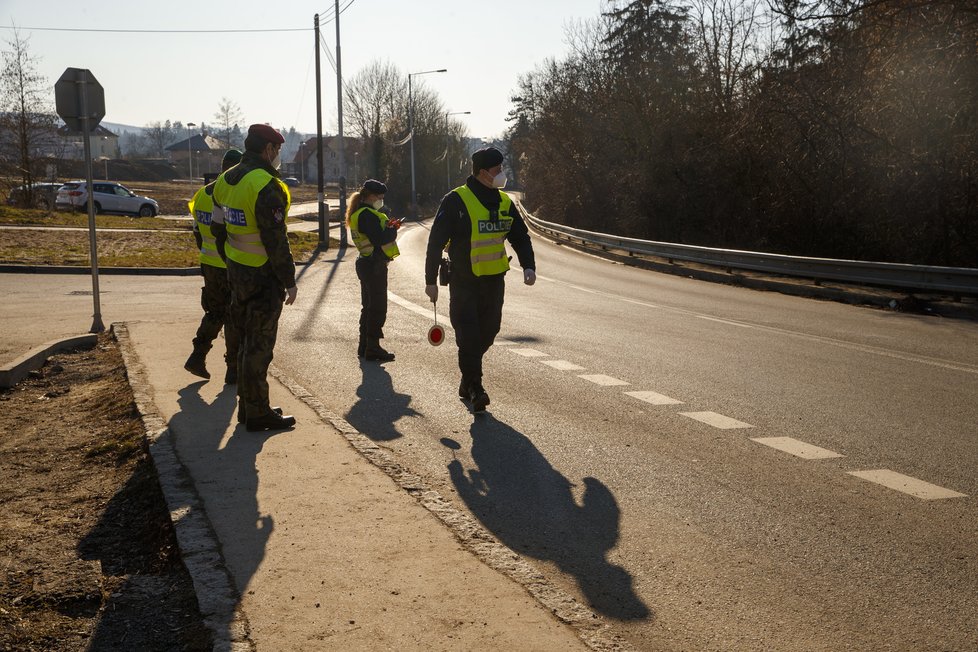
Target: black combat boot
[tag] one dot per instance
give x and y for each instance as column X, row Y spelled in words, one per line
column 195, row 363
column 479, row 397
column 271, row 421
column 375, row 352
column 241, row 412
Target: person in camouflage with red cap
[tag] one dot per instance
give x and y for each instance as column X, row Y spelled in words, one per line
column 251, row 235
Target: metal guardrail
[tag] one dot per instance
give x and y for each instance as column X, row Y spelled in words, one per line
column 953, row 280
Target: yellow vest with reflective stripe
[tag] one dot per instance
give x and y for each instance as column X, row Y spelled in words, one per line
column 364, row 246
column 201, row 208
column 244, row 243
column 488, row 254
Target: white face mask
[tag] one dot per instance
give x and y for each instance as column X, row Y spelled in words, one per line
column 277, row 161
column 499, row 181
column 377, row 204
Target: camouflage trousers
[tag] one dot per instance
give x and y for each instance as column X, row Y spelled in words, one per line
column 256, row 304
column 215, row 299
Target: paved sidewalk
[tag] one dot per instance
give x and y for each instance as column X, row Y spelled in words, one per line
column 325, row 549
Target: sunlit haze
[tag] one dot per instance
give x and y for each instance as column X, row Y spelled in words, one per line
column 151, row 77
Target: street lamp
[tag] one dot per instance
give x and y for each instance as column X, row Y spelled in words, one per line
column 302, row 163
column 356, row 169
column 190, row 154
column 105, row 158
column 414, row 193
column 448, row 144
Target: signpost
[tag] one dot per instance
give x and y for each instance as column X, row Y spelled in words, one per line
column 80, row 101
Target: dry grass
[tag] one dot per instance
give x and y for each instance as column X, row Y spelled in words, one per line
column 31, row 217
column 118, row 249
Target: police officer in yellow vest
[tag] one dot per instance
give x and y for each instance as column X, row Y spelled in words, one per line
column 215, row 296
column 373, row 233
column 474, row 220
column 249, row 227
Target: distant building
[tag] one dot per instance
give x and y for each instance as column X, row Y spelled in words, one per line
column 103, row 144
column 305, row 165
column 205, row 150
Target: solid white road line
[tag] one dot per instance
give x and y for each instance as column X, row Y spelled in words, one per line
column 530, row 353
column 562, row 365
column 907, row 485
column 601, row 379
column 716, row 420
column 797, row 448
column 654, row 398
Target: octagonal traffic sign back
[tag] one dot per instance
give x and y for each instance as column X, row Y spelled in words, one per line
column 78, row 94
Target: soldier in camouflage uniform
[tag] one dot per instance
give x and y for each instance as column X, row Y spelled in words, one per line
column 215, row 296
column 250, row 231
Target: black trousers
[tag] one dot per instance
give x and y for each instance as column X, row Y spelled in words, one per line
column 372, row 272
column 476, row 312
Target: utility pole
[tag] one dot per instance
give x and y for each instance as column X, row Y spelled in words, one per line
column 339, row 120
column 323, row 225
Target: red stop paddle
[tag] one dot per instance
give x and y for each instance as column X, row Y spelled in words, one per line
column 436, row 334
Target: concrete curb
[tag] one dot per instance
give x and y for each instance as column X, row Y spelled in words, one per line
column 591, row 629
column 17, row 370
column 200, row 549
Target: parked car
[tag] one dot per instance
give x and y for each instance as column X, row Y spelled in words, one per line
column 44, row 196
column 109, row 197
column 290, row 181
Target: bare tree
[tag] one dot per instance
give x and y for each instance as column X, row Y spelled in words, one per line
column 159, row 135
column 26, row 114
column 728, row 46
column 228, row 117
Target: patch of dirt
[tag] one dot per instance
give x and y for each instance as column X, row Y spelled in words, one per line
column 88, row 557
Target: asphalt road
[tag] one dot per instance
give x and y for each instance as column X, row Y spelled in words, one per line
column 619, row 450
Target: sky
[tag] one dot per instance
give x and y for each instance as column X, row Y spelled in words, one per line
column 485, row 46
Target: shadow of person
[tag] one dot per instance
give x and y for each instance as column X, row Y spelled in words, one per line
column 226, row 478
column 245, row 534
column 205, row 422
column 528, row 505
column 378, row 406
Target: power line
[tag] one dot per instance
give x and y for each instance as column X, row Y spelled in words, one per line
column 327, row 15
column 158, row 31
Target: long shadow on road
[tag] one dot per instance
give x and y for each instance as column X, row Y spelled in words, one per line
column 378, row 406
column 528, row 505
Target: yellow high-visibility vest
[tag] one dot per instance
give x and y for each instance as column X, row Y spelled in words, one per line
column 488, row 254
column 201, row 208
column 364, row 246
column 244, row 243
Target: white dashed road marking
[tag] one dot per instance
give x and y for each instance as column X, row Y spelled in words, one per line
column 654, row 398
column 716, row 420
column 605, row 381
column 906, row 484
column 562, row 365
column 797, row 448
column 530, row 353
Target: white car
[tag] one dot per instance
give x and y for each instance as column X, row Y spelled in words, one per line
column 109, row 197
